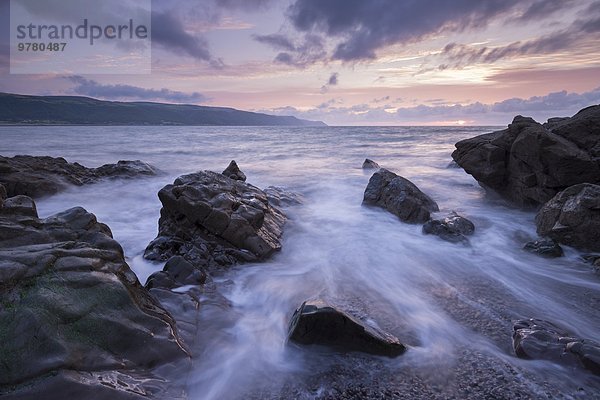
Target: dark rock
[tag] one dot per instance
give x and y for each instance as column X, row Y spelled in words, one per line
column 213, row 221
column 234, row 172
column 399, row 196
column 453, row 228
column 19, row 205
column 281, row 197
column 545, row 248
column 3, row 193
column 317, row 322
column 572, row 217
column 44, row 176
column 538, row 339
column 69, row 301
column 370, row 164
column 177, row 272
column 529, row 163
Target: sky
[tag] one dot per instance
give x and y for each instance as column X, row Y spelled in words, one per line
column 357, row 62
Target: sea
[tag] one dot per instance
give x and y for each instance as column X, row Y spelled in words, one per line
column 454, row 305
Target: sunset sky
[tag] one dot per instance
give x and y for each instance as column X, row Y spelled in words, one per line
column 359, row 62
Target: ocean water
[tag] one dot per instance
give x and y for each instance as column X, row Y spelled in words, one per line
column 453, row 305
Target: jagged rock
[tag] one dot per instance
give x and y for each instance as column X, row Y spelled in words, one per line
column 213, row 221
column 177, row 272
column 529, row 163
column 3, row 193
column 69, row 301
column 453, row 228
column 317, row 322
column 281, row 197
column 545, row 248
column 538, row 339
column 43, row 176
column 370, row 164
column 399, row 196
column 572, row 217
column 234, row 172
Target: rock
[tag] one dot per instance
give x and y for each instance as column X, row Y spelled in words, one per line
column 529, row 163
column 399, row 196
column 281, row 197
column 69, row 301
column 44, row 176
column 539, row 339
column 545, row 248
column 3, row 193
column 213, row 221
column 317, row 322
column 234, row 172
column 453, row 228
column 572, row 217
column 370, row 164
column 177, row 272
column 19, row 205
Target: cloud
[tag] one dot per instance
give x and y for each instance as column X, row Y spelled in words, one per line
column 246, row 5
column 86, row 87
column 301, row 52
column 363, row 27
column 541, row 108
column 169, row 33
column 332, row 81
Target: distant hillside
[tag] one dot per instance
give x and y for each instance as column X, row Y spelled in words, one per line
column 73, row 110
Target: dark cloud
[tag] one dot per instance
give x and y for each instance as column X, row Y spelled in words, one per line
column 169, row 33
column 302, row 52
column 246, row 5
column 333, row 79
column 544, row 9
column 366, row 26
column 86, row 87
column 460, row 55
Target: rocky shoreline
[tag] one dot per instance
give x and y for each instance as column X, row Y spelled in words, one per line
column 73, row 316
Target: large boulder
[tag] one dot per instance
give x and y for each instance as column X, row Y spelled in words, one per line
column 70, row 302
column 572, row 217
column 539, row 339
column 234, row 172
column 453, row 228
column 213, row 220
column 529, row 163
column 399, row 196
column 43, row 176
column 317, row 322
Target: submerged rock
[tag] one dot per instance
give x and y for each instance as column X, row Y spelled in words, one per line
column 69, row 301
column 572, row 217
column 453, row 228
column 212, row 220
column 539, row 339
column 370, row 164
column 281, row 197
column 317, row 322
column 234, row 172
column 529, row 163
column 545, row 248
column 399, row 196
column 43, row 176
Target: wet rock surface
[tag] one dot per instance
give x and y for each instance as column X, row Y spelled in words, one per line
column 529, row 163
column 539, row 339
column 572, row 217
column 214, row 221
column 318, row 322
column 453, row 228
column 69, row 302
column 399, row 196
column 43, row 176
column 547, row 248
